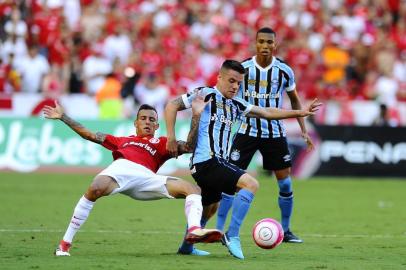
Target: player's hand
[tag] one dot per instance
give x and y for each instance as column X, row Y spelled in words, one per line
column 308, row 141
column 172, row 147
column 53, row 112
column 312, row 108
column 198, row 105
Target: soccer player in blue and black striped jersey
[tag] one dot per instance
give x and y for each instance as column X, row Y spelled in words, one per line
column 265, row 81
column 209, row 162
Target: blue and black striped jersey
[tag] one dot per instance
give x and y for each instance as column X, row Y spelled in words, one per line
column 215, row 123
column 264, row 87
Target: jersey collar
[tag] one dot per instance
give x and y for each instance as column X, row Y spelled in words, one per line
column 144, row 137
column 218, row 91
column 254, row 58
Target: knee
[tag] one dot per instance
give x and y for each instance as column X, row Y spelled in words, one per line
column 282, row 174
column 285, row 185
column 253, row 185
column 94, row 192
column 192, row 189
column 249, row 183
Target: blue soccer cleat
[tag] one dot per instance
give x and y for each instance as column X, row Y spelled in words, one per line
column 194, row 252
column 234, row 245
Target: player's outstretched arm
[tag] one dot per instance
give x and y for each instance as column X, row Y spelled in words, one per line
column 275, row 113
column 297, row 105
column 198, row 106
column 171, row 110
column 58, row 113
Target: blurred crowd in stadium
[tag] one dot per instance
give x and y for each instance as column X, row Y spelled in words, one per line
column 140, row 51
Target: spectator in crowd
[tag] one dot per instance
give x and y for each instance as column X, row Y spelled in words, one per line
column 341, row 41
column 118, row 46
column 16, row 26
column 95, row 69
column 32, row 68
column 109, row 99
column 384, row 118
column 92, row 22
column 335, row 60
column 52, row 89
column 385, row 89
column 15, row 45
column 9, row 78
column 150, row 91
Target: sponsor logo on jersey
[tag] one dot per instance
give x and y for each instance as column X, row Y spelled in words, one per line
column 263, row 83
column 142, row 145
column 220, row 106
column 235, row 155
column 222, row 118
column 255, row 94
column 252, row 82
column 154, row 140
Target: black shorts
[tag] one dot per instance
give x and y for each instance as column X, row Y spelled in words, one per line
column 215, row 176
column 275, row 152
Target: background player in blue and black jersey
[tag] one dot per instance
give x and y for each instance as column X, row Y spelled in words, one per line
column 209, row 162
column 265, row 81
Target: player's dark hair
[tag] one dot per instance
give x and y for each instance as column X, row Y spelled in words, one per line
column 266, row 30
column 233, row 65
column 146, row 107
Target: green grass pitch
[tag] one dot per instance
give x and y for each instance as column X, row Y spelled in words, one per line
column 346, row 224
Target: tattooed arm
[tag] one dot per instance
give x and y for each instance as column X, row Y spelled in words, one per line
column 57, row 113
column 171, row 110
column 189, row 145
column 198, row 106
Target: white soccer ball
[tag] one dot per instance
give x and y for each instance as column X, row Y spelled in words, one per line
column 267, row 233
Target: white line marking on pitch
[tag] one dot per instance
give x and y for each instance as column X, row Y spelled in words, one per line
column 178, row 232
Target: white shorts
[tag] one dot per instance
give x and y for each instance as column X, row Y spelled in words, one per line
column 136, row 181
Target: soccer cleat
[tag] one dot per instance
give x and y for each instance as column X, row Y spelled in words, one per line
column 289, row 237
column 234, row 245
column 194, row 252
column 199, row 235
column 63, row 249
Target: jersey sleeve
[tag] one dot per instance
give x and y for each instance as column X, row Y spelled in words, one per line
column 290, row 83
column 189, row 97
column 243, row 106
column 111, row 142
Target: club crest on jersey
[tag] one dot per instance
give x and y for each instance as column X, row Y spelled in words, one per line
column 235, row 155
column 154, row 140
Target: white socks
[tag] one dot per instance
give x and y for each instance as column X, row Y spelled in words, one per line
column 79, row 217
column 193, row 210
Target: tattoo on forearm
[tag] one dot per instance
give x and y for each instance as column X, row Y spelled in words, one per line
column 100, row 137
column 81, row 130
column 70, row 122
column 182, row 147
column 179, row 103
column 192, row 136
